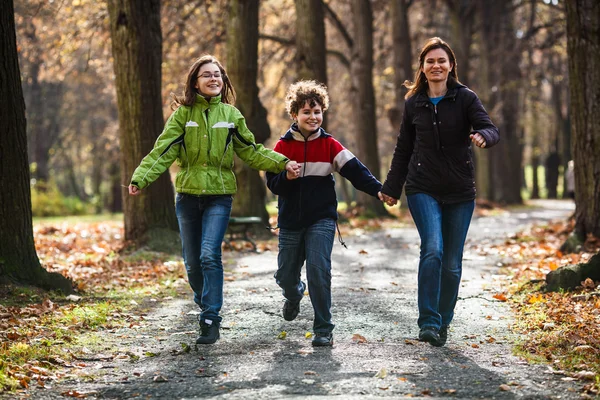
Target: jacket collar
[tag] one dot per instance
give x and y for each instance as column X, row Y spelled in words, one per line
column 295, row 134
column 206, row 102
column 421, row 98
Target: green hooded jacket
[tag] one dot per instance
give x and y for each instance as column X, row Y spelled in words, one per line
column 202, row 139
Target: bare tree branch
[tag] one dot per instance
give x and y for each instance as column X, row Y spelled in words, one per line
column 332, row 16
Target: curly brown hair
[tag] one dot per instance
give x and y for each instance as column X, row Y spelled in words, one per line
column 302, row 92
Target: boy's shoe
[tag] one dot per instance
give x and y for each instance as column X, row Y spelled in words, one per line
column 291, row 309
column 322, row 339
column 443, row 333
column 429, row 335
column 209, row 332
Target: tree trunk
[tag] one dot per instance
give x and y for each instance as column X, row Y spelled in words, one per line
column 505, row 76
column 362, row 93
column 311, row 60
column 583, row 47
column 402, row 59
column 18, row 258
column 462, row 23
column 137, row 51
column 242, row 66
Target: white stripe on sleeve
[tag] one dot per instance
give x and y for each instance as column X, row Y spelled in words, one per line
column 341, row 159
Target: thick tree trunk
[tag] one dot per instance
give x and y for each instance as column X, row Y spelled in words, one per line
column 362, row 92
column 311, row 62
column 137, row 51
column 583, row 47
column 18, row 258
column 242, row 67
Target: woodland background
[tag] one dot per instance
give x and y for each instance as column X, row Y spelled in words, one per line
column 96, row 79
column 85, row 89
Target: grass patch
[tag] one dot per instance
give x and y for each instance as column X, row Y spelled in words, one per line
column 73, row 219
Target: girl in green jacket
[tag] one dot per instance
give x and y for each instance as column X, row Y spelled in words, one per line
column 202, row 135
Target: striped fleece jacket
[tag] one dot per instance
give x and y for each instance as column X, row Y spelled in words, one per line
column 305, row 200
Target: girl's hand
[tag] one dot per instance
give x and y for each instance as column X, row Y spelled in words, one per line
column 477, row 139
column 134, row 190
column 293, row 170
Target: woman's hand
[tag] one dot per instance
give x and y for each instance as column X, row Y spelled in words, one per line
column 293, row 170
column 134, row 190
column 477, row 139
column 390, row 201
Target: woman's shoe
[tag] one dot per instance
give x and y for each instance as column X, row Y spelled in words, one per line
column 443, row 333
column 429, row 335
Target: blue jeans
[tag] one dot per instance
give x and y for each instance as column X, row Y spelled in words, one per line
column 202, row 223
column 313, row 245
column 443, row 230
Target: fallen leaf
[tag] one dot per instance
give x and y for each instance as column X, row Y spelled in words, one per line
column 504, row 388
column 282, row 335
column 382, row 373
column 500, row 296
column 356, row 338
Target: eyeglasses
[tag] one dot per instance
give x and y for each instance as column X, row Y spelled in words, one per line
column 208, row 75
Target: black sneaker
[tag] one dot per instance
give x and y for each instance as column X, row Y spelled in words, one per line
column 429, row 335
column 292, row 308
column 209, row 333
column 443, row 333
column 323, row 339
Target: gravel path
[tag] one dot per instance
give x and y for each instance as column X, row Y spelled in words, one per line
column 375, row 355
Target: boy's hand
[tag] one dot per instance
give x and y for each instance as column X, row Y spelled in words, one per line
column 390, row 201
column 293, row 170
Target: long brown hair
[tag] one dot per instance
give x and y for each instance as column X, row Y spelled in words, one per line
column 189, row 93
column 420, row 82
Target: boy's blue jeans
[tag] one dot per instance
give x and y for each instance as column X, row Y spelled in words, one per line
column 202, row 223
column 313, row 244
column 443, row 230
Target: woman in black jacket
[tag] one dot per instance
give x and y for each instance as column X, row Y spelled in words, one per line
column 434, row 161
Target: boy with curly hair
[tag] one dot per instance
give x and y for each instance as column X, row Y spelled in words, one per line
column 308, row 205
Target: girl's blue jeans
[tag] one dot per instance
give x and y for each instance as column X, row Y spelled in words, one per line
column 202, row 223
column 443, row 230
column 313, row 245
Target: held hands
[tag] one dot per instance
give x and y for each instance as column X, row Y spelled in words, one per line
column 134, row 190
column 390, row 201
column 293, row 170
column 477, row 139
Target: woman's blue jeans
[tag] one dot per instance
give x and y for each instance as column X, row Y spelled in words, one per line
column 443, row 230
column 202, row 223
column 313, row 245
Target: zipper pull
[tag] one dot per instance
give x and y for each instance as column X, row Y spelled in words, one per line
column 435, row 108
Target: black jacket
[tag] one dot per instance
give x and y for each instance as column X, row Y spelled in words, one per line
column 433, row 152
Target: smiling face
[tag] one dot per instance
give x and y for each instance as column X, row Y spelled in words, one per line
column 210, row 80
column 436, row 65
column 309, row 118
